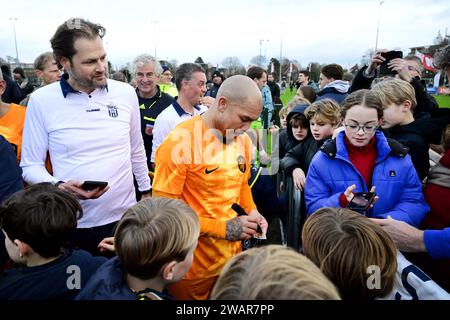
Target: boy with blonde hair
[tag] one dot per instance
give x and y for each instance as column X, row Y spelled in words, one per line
column 295, row 101
column 399, row 103
column 325, row 110
column 155, row 242
column 283, row 115
column 398, row 99
column 272, row 272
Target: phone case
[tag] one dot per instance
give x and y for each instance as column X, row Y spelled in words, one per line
column 390, row 55
column 361, row 201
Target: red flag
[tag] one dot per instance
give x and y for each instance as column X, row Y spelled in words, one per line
column 427, row 61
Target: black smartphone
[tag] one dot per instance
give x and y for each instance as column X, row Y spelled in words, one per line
column 91, row 185
column 390, row 55
column 361, row 201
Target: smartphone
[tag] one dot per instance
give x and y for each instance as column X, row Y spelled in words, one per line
column 390, row 55
column 91, row 185
column 361, row 201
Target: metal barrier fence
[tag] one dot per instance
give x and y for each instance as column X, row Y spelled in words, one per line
column 296, row 214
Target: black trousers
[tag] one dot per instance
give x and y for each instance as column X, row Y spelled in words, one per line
column 89, row 238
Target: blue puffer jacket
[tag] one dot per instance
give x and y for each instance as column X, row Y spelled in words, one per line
column 397, row 184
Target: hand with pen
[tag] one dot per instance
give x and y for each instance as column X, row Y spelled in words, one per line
column 246, row 226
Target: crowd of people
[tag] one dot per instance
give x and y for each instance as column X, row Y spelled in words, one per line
column 155, row 190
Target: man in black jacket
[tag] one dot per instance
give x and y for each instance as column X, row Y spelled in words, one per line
column 274, row 89
column 152, row 101
column 26, row 87
column 408, row 69
column 217, row 79
column 12, row 92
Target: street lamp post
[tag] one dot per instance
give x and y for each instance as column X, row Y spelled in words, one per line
column 155, row 24
column 265, row 49
column 260, row 44
column 260, row 51
column 15, row 38
column 281, row 50
column 378, row 26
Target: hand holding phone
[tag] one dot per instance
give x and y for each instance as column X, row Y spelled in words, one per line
column 85, row 190
column 89, row 185
column 390, row 55
column 361, row 201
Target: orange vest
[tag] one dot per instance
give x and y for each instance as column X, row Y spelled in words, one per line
column 11, row 127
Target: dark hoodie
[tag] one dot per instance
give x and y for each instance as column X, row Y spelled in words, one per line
column 417, row 136
column 301, row 155
column 287, row 140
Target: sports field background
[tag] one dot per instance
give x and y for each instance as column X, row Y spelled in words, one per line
column 443, row 101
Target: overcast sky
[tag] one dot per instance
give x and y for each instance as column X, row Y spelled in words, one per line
column 313, row 30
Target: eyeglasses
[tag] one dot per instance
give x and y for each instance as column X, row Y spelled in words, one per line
column 367, row 128
column 167, row 74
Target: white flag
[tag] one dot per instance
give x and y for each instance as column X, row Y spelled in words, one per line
column 436, row 79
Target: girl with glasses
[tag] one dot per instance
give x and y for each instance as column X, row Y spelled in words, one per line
column 361, row 159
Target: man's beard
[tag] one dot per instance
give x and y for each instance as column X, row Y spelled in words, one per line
column 87, row 82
